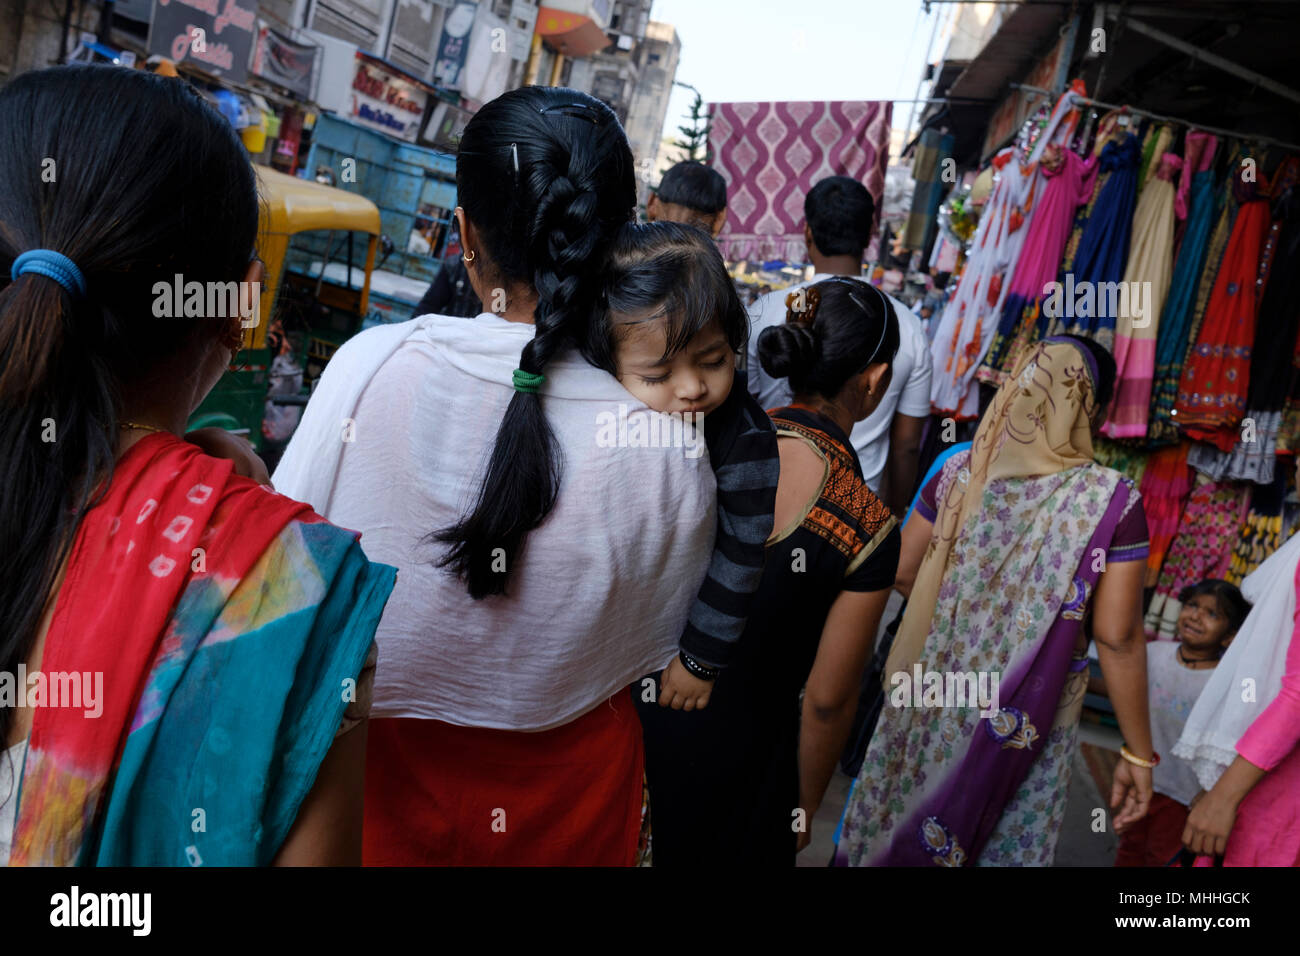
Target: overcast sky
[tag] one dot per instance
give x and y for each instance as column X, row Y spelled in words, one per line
column 743, row 50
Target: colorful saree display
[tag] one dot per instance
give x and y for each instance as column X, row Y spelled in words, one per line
column 227, row 622
column 971, row 316
column 1069, row 182
column 1103, row 245
column 1201, row 549
column 1212, row 393
column 1150, row 266
column 1174, row 334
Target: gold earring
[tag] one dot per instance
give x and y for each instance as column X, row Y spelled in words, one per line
column 467, row 259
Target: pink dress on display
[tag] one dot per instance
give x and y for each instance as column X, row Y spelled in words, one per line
column 1066, row 189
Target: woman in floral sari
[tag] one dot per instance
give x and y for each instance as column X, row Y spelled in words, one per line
column 1026, row 536
column 183, row 663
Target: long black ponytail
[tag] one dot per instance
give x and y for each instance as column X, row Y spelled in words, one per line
column 545, row 176
column 135, row 178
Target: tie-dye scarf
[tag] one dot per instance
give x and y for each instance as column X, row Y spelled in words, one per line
column 227, row 622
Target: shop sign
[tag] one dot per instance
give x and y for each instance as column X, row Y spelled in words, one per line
column 454, row 45
column 386, row 102
column 213, row 35
column 1009, row 116
column 283, row 62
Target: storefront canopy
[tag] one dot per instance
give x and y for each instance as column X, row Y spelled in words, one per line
column 574, row 27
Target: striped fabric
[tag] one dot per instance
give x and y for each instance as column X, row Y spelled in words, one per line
column 742, row 450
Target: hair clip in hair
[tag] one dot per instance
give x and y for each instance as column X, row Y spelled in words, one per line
column 514, row 159
column 810, row 299
column 580, row 110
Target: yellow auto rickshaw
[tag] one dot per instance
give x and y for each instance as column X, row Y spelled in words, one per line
column 315, row 295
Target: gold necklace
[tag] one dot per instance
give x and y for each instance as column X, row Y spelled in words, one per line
column 127, row 426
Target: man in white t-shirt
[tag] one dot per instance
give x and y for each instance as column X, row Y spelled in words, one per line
column 838, row 213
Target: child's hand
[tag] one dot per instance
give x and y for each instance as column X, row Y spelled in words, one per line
column 219, row 443
column 1132, row 789
column 1210, row 823
column 682, row 690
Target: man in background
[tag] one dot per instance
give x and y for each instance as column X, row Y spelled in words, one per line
column 693, row 194
column 838, row 213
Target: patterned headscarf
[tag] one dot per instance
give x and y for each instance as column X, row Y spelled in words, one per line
column 1039, row 423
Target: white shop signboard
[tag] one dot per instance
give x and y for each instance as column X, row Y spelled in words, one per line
column 386, row 101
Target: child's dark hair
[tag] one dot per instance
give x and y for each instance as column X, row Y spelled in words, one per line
column 135, row 179
column 668, row 271
column 1232, row 604
column 833, row 330
column 545, row 177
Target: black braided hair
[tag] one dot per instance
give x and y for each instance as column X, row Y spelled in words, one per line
column 545, row 177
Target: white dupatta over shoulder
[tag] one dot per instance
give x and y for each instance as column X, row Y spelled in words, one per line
column 1249, row 676
column 393, row 444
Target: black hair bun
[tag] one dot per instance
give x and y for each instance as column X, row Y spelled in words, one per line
column 786, row 350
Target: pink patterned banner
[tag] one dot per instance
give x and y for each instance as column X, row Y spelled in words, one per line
column 771, row 154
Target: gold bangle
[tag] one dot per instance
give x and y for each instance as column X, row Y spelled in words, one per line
column 1134, row 759
column 128, row 426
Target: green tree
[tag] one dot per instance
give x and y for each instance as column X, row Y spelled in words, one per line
column 694, row 141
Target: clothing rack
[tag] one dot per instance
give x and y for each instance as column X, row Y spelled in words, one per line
column 1077, row 99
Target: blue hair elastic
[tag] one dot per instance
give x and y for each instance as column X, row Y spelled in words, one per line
column 53, row 264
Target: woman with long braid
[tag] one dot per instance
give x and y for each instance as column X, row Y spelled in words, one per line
column 540, row 572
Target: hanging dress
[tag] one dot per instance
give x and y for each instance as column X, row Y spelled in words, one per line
column 970, row 317
column 1198, row 155
column 1261, row 534
column 1174, row 337
column 1146, row 279
column 1166, row 483
column 1207, row 534
column 1103, row 246
column 1212, row 392
column 1279, row 319
column 1288, row 435
column 1107, row 129
column 1068, row 185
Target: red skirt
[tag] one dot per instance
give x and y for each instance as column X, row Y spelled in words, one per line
column 442, row 795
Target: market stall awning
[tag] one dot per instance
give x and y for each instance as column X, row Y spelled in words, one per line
column 574, row 27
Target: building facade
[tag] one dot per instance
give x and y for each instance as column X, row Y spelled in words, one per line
column 658, row 54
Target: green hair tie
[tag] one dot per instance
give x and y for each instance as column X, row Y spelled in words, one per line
column 528, row 382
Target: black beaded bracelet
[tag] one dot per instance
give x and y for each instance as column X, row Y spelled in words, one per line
column 699, row 670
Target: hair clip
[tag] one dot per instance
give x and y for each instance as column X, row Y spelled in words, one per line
column 580, row 110
column 811, row 299
column 514, row 156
